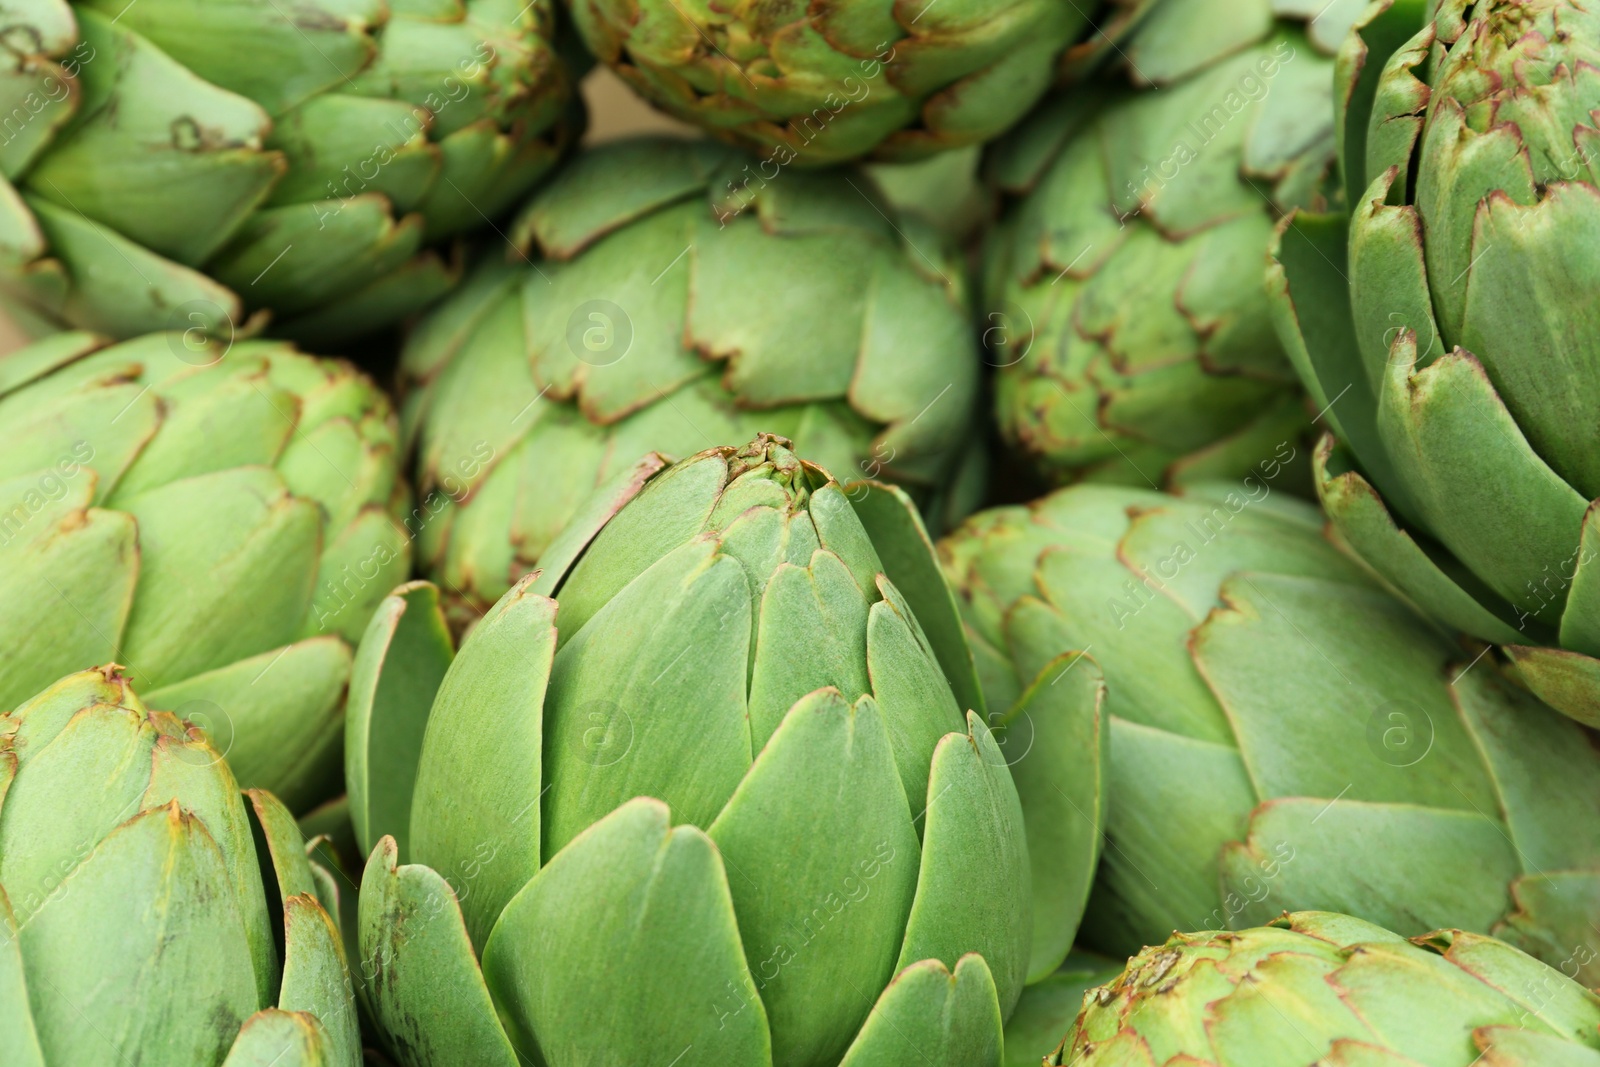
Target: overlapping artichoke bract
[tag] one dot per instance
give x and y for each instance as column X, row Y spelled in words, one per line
column 837, row 80
column 1127, row 350
column 1318, row 988
column 147, row 913
column 682, row 301
column 221, row 520
column 1283, row 733
column 1447, row 323
column 171, row 165
column 728, row 781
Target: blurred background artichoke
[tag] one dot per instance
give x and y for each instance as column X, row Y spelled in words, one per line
column 671, row 299
column 173, row 165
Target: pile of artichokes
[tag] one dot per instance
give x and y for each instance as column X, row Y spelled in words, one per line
column 992, row 533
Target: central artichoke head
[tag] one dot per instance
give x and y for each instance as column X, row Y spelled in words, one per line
column 709, row 758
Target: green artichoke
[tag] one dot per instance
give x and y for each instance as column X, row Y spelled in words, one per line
column 141, row 898
column 222, row 521
column 1316, row 989
column 1447, row 326
column 835, row 80
column 682, row 302
column 171, row 165
column 1127, row 350
column 847, row 879
column 1283, row 734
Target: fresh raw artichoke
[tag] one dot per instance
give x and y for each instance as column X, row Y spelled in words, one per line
column 682, row 302
column 1283, row 734
column 834, row 80
column 1128, row 348
column 139, row 897
column 171, row 165
column 1316, row 989
column 1448, row 326
column 222, row 521
column 708, row 807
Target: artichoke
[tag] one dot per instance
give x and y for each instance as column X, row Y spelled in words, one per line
column 221, row 520
column 1127, row 350
column 140, row 898
column 171, row 165
column 682, row 302
column 1283, row 734
column 835, row 80
column 728, row 783
column 1446, row 325
column 1316, row 989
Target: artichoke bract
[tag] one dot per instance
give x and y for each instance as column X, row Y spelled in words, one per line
column 1447, row 326
column 148, row 914
column 170, row 165
column 1316, row 988
column 223, row 521
column 1283, row 733
column 836, row 80
column 1127, row 350
column 721, row 804
column 681, row 302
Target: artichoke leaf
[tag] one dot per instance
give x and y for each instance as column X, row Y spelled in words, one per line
column 19, row 1043
column 930, row 1015
column 812, row 632
column 121, row 288
column 1379, row 860
column 475, row 815
column 398, row 668
column 1055, row 740
column 910, row 691
column 193, row 774
column 273, row 715
column 63, row 552
column 147, row 912
column 974, row 893
column 909, row 561
column 189, row 162
column 1507, row 1046
column 295, row 258
column 822, row 864
column 418, row 969
column 273, row 1038
column 256, row 544
column 1477, row 483
column 68, row 794
column 627, row 901
column 1366, row 525
column 315, row 977
column 648, row 699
